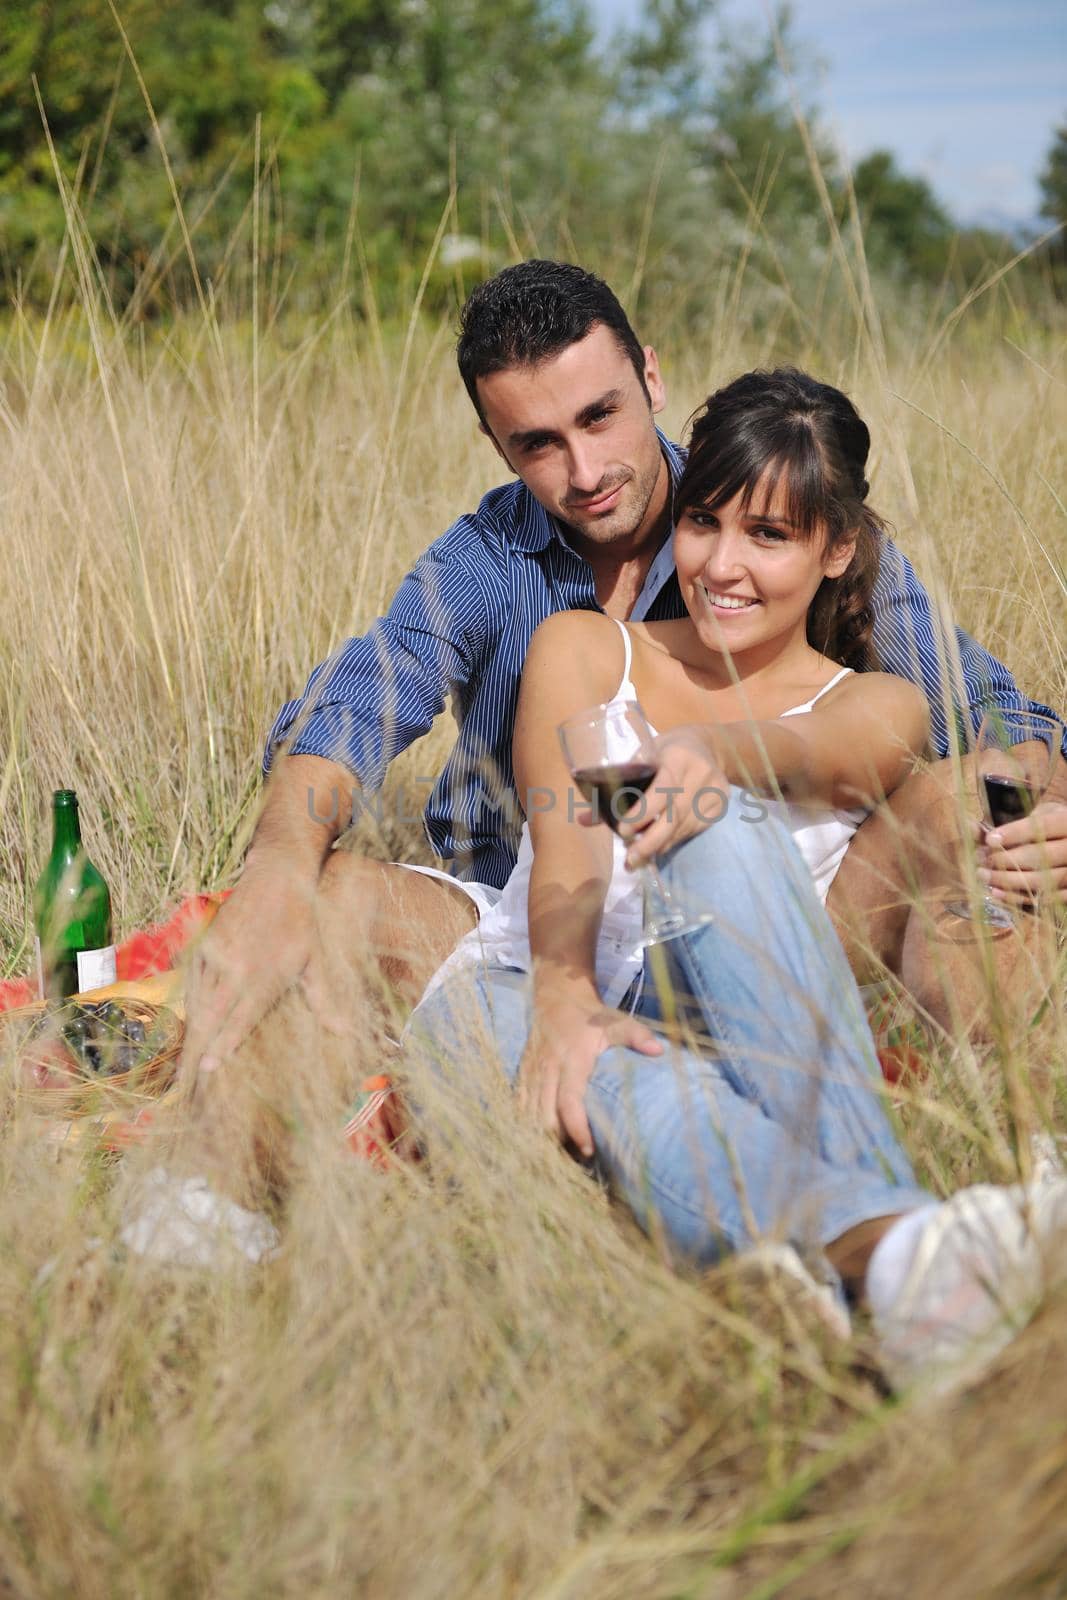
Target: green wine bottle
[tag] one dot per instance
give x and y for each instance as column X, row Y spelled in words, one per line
column 72, row 912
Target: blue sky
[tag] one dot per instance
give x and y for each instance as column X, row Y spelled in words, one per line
column 965, row 92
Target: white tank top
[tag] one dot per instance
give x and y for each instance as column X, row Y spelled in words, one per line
column 502, row 936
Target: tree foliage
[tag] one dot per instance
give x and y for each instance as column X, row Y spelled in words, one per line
column 1053, row 179
column 359, row 116
column 903, row 221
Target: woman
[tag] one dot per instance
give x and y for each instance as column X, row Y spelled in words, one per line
column 775, row 1126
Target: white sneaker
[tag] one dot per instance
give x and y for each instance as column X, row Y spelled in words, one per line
column 771, row 1263
column 980, row 1265
column 184, row 1222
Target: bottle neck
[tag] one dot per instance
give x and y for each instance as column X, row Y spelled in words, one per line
column 66, row 829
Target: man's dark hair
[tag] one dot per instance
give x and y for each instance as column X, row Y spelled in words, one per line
column 531, row 312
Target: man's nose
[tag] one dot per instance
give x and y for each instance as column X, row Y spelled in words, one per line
column 585, row 467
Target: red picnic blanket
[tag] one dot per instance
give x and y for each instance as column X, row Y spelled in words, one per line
column 376, row 1126
column 145, row 952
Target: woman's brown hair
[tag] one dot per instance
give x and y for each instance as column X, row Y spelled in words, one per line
column 768, row 424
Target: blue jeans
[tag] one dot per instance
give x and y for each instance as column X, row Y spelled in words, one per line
column 773, row 1126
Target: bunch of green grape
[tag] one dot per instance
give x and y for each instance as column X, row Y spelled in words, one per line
column 102, row 1038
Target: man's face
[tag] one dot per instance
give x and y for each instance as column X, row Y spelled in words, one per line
column 578, row 430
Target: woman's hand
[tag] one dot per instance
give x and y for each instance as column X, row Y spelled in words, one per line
column 572, row 1029
column 689, row 792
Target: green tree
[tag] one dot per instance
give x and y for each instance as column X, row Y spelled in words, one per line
column 1053, row 179
column 903, row 221
column 211, row 66
column 758, row 150
column 665, row 150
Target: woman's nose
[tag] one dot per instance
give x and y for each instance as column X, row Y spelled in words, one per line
column 725, row 557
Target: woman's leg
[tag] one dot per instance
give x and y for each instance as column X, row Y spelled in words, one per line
column 780, row 1132
column 776, row 991
column 703, row 1167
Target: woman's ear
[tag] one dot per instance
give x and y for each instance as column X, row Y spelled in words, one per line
column 838, row 563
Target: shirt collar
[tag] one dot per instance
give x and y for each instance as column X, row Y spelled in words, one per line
column 534, row 529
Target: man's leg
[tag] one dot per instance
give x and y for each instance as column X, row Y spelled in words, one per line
column 383, row 931
column 891, row 903
column 910, row 844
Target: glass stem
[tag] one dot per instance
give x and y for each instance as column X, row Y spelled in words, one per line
column 653, row 875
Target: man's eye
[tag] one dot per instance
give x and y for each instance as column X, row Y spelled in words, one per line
column 602, row 415
column 533, row 445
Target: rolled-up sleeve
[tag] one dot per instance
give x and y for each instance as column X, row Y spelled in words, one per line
column 379, row 692
column 913, row 643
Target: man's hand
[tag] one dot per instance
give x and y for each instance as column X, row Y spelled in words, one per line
column 689, row 792
column 256, row 948
column 572, row 1030
column 261, row 940
column 1027, row 859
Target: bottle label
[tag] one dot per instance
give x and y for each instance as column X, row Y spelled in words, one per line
column 96, row 968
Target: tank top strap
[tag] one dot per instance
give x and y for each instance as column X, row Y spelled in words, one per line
column 828, row 686
column 626, row 690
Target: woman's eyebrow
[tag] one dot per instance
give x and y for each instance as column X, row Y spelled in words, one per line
column 769, row 516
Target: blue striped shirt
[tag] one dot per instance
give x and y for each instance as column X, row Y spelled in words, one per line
column 461, row 624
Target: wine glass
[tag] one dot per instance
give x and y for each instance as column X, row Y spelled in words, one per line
column 1013, row 764
column 611, row 752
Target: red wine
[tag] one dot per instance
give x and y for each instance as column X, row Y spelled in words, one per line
column 616, row 788
column 1007, row 799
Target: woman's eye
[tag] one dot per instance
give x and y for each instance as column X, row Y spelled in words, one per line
column 701, row 519
column 772, row 535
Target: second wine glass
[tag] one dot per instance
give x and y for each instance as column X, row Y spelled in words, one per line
column 1013, row 763
column 611, row 752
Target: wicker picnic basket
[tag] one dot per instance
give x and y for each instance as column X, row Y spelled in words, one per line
column 72, row 1091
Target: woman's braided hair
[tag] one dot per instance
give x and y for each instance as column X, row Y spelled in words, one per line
column 768, row 424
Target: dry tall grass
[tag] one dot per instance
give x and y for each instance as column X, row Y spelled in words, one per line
column 490, row 1388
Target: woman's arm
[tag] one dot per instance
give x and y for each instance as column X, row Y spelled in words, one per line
column 572, row 865
column 851, row 750
column 574, row 661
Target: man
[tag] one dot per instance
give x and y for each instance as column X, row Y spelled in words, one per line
column 567, row 397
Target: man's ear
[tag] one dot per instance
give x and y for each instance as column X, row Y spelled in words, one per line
column 657, row 389
column 839, row 563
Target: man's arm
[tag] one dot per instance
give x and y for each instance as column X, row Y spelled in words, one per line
column 1028, row 856
column 261, row 939
column 380, row 692
column 909, row 641
column 361, row 708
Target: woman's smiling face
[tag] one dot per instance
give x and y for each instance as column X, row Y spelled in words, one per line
column 747, row 574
